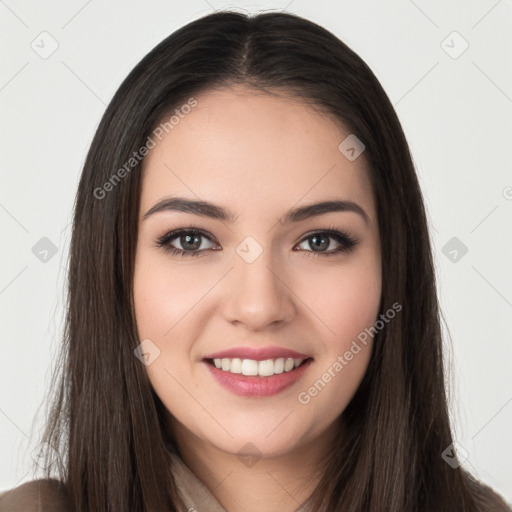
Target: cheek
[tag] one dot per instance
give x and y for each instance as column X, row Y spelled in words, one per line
column 163, row 300
column 165, row 295
column 347, row 304
column 344, row 299
column 354, row 307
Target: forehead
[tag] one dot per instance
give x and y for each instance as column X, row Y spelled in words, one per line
column 243, row 147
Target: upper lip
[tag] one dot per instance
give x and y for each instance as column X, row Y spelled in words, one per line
column 257, row 353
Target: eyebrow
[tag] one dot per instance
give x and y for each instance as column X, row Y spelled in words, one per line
column 207, row 209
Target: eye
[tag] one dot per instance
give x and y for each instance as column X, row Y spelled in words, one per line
column 189, row 239
column 191, row 242
column 321, row 240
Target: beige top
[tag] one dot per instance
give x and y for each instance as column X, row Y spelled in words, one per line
column 196, row 496
column 45, row 496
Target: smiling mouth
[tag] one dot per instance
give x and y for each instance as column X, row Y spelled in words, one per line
column 253, row 368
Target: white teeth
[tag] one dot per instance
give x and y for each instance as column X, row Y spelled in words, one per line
column 236, row 366
column 266, row 368
column 279, row 365
column 251, row 367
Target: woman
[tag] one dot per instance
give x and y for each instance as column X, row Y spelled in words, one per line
column 252, row 320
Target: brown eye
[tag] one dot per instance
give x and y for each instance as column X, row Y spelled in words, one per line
column 319, row 242
column 189, row 241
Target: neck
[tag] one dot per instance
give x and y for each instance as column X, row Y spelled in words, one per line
column 245, row 484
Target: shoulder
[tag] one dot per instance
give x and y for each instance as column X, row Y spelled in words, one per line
column 486, row 498
column 43, row 495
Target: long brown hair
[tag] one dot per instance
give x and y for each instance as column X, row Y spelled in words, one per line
column 107, row 423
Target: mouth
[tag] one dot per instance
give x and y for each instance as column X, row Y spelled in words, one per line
column 252, row 378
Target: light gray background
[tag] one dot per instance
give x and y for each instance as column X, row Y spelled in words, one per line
column 457, row 116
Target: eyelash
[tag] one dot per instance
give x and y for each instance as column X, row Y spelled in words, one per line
column 347, row 241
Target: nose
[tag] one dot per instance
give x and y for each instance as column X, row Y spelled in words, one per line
column 257, row 294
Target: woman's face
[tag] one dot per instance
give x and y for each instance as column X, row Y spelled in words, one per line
column 258, row 285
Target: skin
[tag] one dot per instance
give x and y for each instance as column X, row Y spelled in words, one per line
column 257, row 155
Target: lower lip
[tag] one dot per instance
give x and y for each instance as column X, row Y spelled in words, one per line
column 245, row 385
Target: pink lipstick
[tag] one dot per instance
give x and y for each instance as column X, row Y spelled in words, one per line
column 257, row 372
